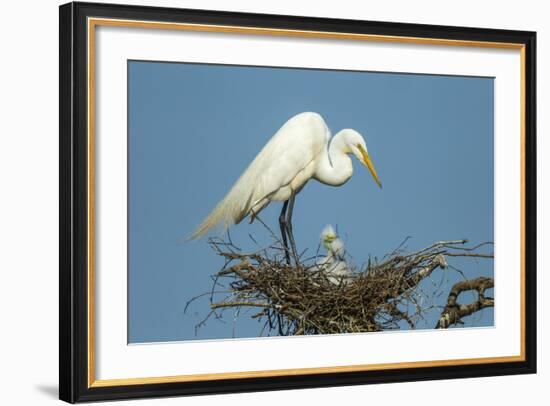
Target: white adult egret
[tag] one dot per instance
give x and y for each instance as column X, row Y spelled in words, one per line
column 302, row 149
column 334, row 264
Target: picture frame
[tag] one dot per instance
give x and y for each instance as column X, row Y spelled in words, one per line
column 78, row 282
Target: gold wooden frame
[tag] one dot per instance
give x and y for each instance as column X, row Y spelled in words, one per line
column 94, row 22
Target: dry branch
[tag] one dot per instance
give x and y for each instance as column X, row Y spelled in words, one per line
column 454, row 312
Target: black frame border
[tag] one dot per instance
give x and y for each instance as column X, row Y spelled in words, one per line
column 73, row 197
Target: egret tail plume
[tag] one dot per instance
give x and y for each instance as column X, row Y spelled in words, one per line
column 222, row 215
column 211, row 221
column 230, row 210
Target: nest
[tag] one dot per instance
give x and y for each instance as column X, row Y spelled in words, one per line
column 301, row 298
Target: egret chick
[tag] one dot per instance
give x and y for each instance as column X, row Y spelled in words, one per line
column 334, row 265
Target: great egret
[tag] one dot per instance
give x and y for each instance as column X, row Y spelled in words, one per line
column 334, row 264
column 300, row 150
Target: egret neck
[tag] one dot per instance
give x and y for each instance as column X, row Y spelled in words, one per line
column 335, row 166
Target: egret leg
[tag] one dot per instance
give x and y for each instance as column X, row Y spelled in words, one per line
column 282, row 224
column 288, row 224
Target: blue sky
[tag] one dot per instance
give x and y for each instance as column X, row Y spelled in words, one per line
column 193, row 129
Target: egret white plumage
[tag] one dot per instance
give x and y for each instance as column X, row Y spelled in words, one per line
column 300, row 150
column 334, row 264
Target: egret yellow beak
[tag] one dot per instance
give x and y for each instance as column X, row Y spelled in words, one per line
column 368, row 163
column 330, row 238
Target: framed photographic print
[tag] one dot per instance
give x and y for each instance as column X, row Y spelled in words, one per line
column 254, row 202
